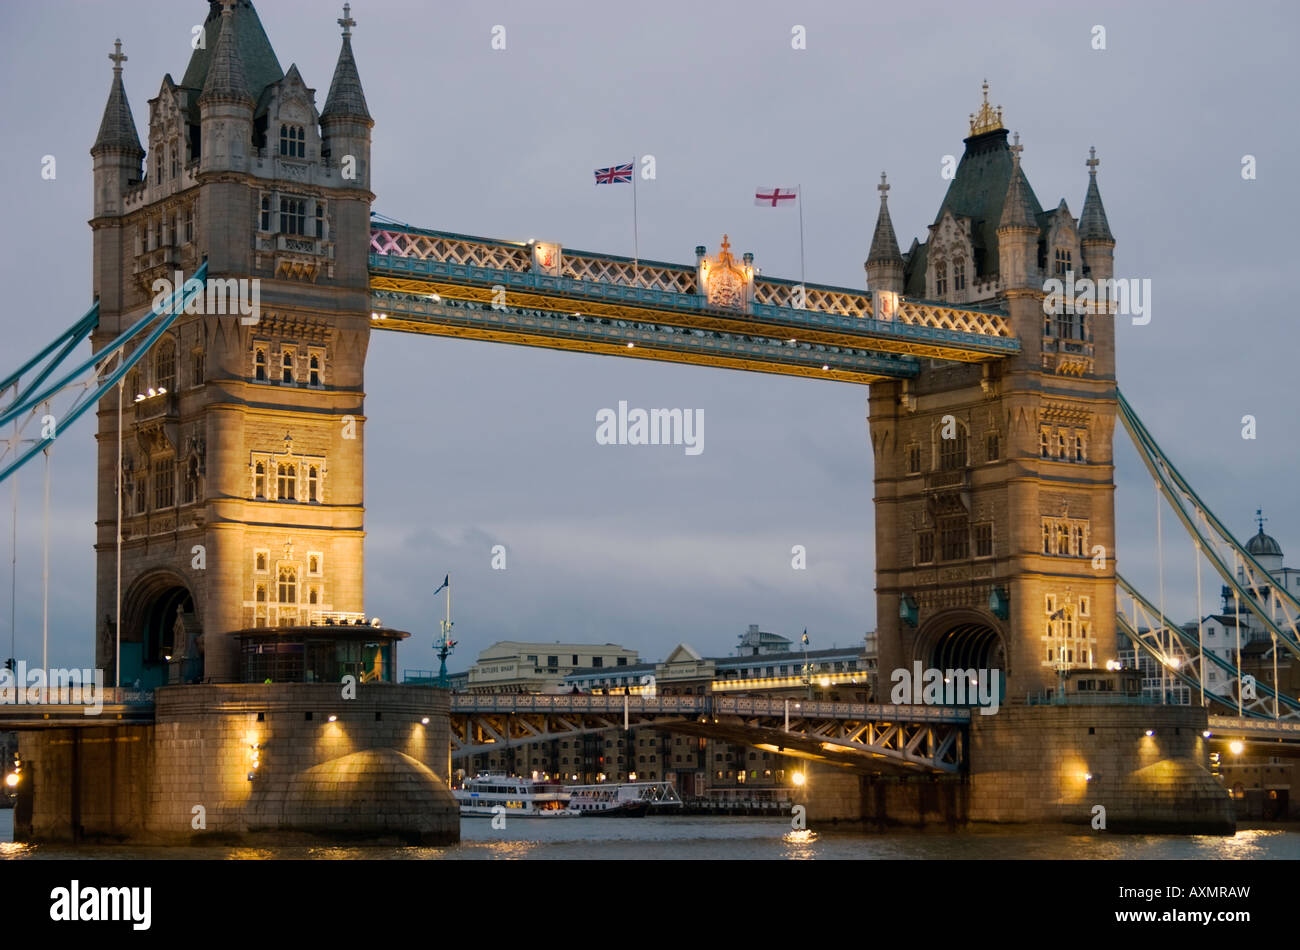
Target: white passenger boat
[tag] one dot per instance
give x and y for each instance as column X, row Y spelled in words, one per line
column 520, row 797
column 622, row 799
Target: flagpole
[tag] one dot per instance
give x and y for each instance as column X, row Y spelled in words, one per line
column 801, row 265
column 636, row 241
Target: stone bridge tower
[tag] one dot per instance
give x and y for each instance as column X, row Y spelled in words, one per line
column 242, row 499
column 995, row 525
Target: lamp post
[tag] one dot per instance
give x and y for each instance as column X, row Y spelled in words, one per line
column 445, row 644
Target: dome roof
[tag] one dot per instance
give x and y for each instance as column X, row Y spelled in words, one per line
column 1262, row 544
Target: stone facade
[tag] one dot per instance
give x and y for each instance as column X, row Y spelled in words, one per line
column 257, row 763
column 244, row 173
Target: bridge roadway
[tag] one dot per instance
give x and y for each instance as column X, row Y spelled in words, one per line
column 446, row 284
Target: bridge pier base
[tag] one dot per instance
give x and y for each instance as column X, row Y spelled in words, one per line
column 249, row 763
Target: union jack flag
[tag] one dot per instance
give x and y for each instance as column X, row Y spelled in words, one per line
column 614, row 175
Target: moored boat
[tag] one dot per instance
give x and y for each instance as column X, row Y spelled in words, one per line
column 483, row 796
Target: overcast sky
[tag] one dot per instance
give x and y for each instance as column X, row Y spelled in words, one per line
column 474, row 444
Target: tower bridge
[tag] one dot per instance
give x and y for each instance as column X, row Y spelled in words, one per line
column 991, row 423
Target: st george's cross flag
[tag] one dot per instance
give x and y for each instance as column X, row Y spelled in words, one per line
column 771, row 197
column 614, row 175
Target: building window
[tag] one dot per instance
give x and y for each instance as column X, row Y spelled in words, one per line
column 259, row 480
column 286, row 367
column 141, row 494
column 925, row 547
column 952, row 452
column 320, row 220
column 189, row 225
column 983, row 537
column 954, row 539
column 940, row 278
column 265, row 221
column 286, row 475
column 1045, row 442
column 1063, row 264
column 313, row 564
column 197, row 366
column 259, row 365
column 1078, row 448
column 313, row 596
column 164, row 365
column 175, row 163
column 293, row 141
column 313, row 482
column 293, row 216
column 1047, row 536
column 164, row 482
column 914, row 459
column 288, row 586
column 959, row 275
column 261, row 593
column 259, row 562
column 991, row 447
column 313, row 371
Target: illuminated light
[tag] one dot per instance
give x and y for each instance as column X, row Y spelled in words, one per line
column 825, row 367
column 1205, row 734
column 1236, row 747
column 435, row 298
column 1151, row 732
column 162, row 390
column 798, row 779
column 834, row 747
column 373, row 315
column 11, row 779
column 167, row 658
column 824, row 682
column 425, row 721
column 1087, row 776
column 333, row 718
column 152, row 391
column 139, row 397
column 631, row 345
column 631, row 776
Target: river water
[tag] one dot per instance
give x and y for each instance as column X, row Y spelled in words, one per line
column 691, row 837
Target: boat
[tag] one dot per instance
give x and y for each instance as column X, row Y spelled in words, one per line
column 622, row 799
column 483, row 795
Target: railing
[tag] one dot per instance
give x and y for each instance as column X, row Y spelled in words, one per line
column 538, row 702
column 75, row 696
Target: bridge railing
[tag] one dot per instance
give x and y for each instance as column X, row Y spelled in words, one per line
column 78, row 696
column 774, row 706
column 540, row 702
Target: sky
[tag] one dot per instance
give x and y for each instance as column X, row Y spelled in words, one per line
column 473, row 444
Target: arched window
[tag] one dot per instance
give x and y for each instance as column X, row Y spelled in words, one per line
column 261, row 593
column 313, row 370
column 286, row 475
column 293, row 141
column 259, row 365
column 313, row 481
column 952, row 452
column 259, row 482
column 1063, row 262
column 1078, row 448
column 288, row 585
column 259, row 562
column 940, row 278
column 959, row 274
column 164, row 365
column 286, row 365
column 313, row 596
column 264, row 219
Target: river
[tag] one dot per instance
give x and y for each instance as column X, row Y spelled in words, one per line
column 740, row 839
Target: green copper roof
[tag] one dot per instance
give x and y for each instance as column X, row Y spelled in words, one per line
column 256, row 57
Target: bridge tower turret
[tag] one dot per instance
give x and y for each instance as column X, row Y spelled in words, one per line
column 242, row 443
column 994, row 482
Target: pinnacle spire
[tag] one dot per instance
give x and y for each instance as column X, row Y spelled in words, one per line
column 226, row 78
column 117, row 128
column 1092, row 220
column 1017, row 210
column 884, row 243
column 346, row 98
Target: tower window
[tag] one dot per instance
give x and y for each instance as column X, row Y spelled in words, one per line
column 925, row 547
column 313, row 372
column 959, row 275
column 1061, row 451
column 189, row 226
column 261, row 593
column 313, row 564
column 293, row 141
column 259, row 491
column 952, row 452
column 259, row 365
column 914, row 459
column 313, row 596
column 286, row 476
column 198, row 364
column 259, row 562
column 320, row 220
column 175, row 160
column 983, row 538
column 940, row 278
column 141, row 494
column 293, row 216
column 164, row 483
column 286, row 365
column 991, row 447
column 164, row 366
column 1063, row 262
column 954, row 539
column 288, row 585
column 1078, row 448
column 313, row 483
column 1044, row 442
column 265, row 219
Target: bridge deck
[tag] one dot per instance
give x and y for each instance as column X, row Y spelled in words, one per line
column 447, row 284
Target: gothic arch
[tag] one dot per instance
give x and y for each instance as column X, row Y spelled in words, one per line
column 962, row 638
column 149, row 616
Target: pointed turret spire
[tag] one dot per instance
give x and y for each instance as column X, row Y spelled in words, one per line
column 1017, row 209
column 884, row 243
column 226, row 80
column 346, row 98
column 117, row 128
column 1093, row 225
